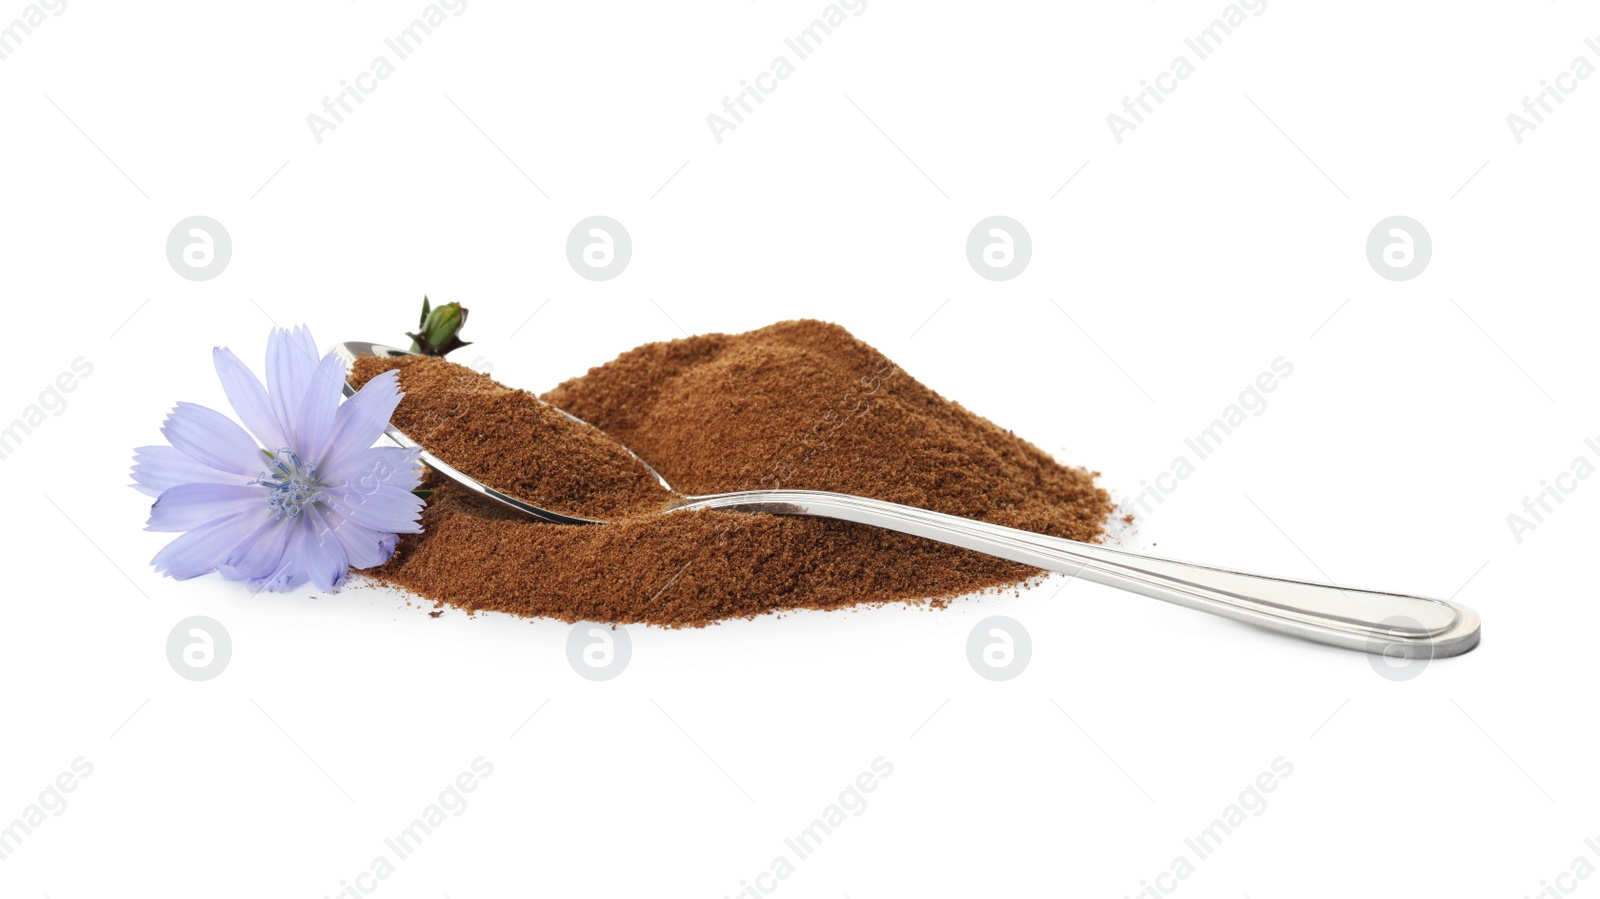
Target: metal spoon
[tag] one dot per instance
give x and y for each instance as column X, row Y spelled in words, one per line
column 1390, row 624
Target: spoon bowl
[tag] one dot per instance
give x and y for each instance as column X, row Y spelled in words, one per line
column 352, row 350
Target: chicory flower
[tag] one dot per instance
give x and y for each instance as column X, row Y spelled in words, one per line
column 303, row 495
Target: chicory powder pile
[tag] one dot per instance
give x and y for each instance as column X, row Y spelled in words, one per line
column 796, row 405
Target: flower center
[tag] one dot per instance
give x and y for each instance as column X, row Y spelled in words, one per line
column 291, row 484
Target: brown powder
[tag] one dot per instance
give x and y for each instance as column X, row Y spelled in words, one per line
column 797, row 405
column 803, row 405
column 510, row 441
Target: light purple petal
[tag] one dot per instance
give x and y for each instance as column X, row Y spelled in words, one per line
column 364, row 547
column 213, row 439
column 382, row 508
column 188, row 506
column 321, row 555
column 201, row 550
column 391, row 465
column 258, row 555
column 284, row 579
column 362, row 418
column 288, row 575
column 314, row 418
column 160, row 468
column 291, row 364
column 249, row 399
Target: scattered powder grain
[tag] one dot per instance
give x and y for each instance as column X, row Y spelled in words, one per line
column 797, row 405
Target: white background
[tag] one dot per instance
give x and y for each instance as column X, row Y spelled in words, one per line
column 1226, row 231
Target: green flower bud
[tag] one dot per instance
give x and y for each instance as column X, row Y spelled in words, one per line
column 438, row 330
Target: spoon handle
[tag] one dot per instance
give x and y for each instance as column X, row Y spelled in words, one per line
column 1384, row 623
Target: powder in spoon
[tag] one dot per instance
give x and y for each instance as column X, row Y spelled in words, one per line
column 800, row 405
column 514, row 443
